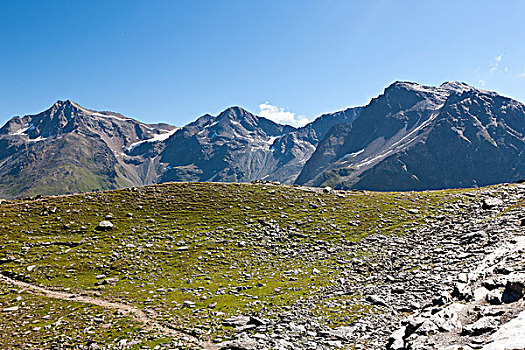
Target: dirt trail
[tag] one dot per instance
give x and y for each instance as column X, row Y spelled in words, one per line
column 138, row 314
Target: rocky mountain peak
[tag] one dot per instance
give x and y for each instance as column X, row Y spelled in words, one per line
column 408, row 85
column 234, row 111
column 59, row 118
column 456, row 86
column 443, row 89
column 403, row 95
column 236, row 114
column 101, row 150
column 63, row 103
column 242, row 121
column 62, row 117
column 67, row 107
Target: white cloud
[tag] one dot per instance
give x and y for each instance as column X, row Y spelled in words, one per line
column 495, row 65
column 522, row 75
column 281, row 115
column 482, row 82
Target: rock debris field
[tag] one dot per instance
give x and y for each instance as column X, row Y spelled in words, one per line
column 264, row 266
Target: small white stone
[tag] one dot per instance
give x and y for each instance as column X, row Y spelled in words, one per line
column 10, row 309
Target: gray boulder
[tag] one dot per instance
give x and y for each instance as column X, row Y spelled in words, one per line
column 104, row 226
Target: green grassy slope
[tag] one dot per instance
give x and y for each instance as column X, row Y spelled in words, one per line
column 194, row 254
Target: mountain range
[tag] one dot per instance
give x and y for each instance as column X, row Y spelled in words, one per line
column 411, row 137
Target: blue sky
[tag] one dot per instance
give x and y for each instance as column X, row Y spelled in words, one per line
column 173, row 61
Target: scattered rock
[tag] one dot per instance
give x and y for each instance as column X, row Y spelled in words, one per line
column 481, row 326
column 514, row 291
column 244, row 342
column 462, row 291
column 495, row 297
column 343, row 332
column 10, row 309
column 104, row 226
column 236, row 321
column 376, row 300
column 396, row 340
column 189, row 303
column 475, row 237
column 490, row 203
column 257, row 321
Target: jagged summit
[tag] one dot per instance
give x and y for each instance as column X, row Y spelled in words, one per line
column 447, row 86
column 235, row 113
column 456, row 85
column 234, row 110
column 70, row 110
column 66, row 105
column 73, row 107
column 444, row 89
column 65, row 110
column 409, row 85
column 61, row 103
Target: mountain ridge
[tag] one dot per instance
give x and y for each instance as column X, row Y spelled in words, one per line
column 370, row 154
column 401, row 140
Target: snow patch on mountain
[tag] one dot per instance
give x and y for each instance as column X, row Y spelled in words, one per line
column 403, row 142
column 272, row 139
column 23, row 130
column 355, row 154
column 100, row 115
column 157, row 138
column 109, row 116
column 38, row 139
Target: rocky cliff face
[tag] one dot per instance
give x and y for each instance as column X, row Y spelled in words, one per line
column 416, row 137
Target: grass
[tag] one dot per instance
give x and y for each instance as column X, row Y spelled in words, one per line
column 41, row 322
column 204, row 243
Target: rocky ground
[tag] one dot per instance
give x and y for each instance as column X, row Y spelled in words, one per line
column 449, row 284
column 296, row 268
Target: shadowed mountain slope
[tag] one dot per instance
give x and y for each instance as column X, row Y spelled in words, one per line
column 415, row 137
